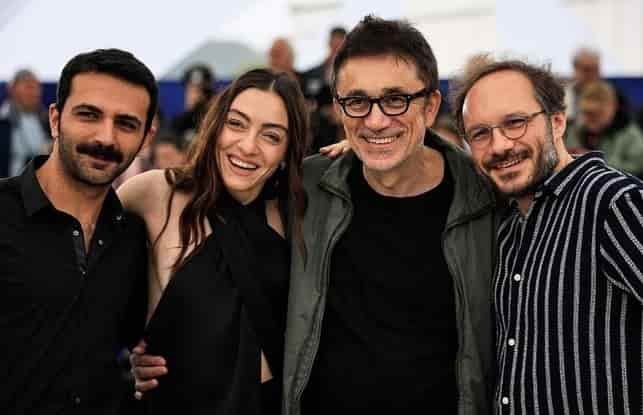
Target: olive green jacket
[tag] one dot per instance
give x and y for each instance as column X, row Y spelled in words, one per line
column 468, row 243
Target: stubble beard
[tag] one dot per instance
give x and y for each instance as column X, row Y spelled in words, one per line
column 73, row 167
column 545, row 165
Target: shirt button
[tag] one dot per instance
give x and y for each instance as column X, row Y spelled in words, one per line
column 505, row 400
column 119, row 217
column 77, row 400
column 75, row 232
column 511, row 342
column 100, row 242
column 517, row 277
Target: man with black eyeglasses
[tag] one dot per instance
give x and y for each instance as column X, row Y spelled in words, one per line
column 390, row 311
column 568, row 286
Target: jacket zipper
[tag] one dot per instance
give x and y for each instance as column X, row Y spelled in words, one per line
column 339, row 231
column 460, row 292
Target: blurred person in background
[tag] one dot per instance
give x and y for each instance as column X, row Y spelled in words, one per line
column 445, row 127
column 586, row 65
column 24, row 129
column 167, row 152
column 604, row 125
column 318, row 77
column 325, row 122
column 281, row 58
column 72, row 261
column 198, row 82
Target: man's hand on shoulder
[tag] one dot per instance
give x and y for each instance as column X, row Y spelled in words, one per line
column 146, row 369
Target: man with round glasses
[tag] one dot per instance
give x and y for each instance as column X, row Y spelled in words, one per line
column 568, row 286
column 390, row 312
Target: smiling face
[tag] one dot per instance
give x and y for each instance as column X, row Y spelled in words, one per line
column 252, row 143
column 385, row 143
column 100, row 129
column 516, row 167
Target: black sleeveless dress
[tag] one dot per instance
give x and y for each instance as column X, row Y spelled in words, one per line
column 217, row 313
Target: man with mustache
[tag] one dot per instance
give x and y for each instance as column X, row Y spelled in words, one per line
column 568, row 285
column 72, row 263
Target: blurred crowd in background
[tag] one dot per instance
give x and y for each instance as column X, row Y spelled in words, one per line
column 600, row 116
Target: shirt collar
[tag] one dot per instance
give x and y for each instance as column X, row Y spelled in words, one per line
column 33, row 196
column 571, row 174
column 35, row 199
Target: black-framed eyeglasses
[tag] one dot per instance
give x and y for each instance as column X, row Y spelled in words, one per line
column 358, row 106
column 513, row 127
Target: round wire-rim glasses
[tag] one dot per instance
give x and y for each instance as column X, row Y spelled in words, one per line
column 514, row 127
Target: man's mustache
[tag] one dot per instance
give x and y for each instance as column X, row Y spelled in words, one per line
column 497, row 159
column 100, row 151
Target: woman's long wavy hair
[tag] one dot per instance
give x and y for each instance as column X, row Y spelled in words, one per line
column 201, row 177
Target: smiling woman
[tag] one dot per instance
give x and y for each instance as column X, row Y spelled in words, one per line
column 253, row 143
column 218, row 254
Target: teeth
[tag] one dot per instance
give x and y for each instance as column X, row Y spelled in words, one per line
column 242, row 164
column 509, row 163
column 380, row 140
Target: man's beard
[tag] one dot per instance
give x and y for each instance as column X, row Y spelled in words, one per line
column 76, row 170
column 545, row 164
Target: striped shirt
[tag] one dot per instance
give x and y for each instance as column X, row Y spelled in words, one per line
column 569, row 296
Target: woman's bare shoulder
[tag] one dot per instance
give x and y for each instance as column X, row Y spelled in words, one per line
column 145, row 192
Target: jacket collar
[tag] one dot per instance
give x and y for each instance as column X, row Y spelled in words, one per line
column 472, row 193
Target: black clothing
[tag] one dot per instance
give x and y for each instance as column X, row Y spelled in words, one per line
column 211, row 330
column 186, row 123
column 389, row 337
column 65, row 313
column 324, row 129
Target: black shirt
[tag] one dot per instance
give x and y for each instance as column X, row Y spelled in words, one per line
column 65, row 314
column 389, row 339
column 216, row 316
